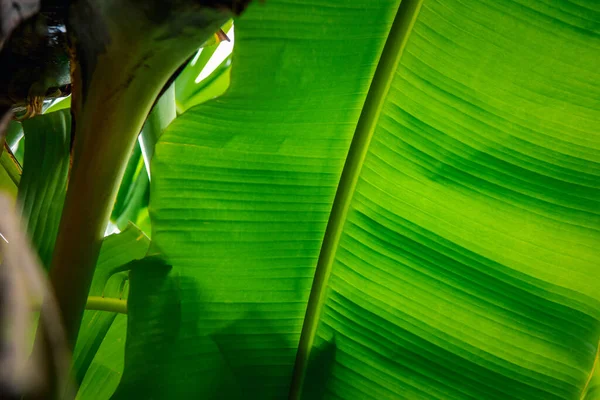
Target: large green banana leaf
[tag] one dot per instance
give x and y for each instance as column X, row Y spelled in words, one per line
column 393, row 200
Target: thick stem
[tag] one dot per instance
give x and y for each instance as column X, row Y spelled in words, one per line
column 92, row 190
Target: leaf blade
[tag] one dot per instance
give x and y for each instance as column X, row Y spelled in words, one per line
column 97, row 326
column 451, row 260
column 44, row 179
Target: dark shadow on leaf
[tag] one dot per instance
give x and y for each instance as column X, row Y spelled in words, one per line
column 167, row 355
column 154, row 315
column 319, row 370
column 261, row 360
column 183, row 345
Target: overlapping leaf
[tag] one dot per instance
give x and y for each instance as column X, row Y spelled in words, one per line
column 133, row 192
column 98, row 357
column 10, row 174
column 190, row 91
column 7, row 179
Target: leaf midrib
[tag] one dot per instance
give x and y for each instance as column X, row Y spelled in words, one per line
column 384, row 74
column 586, row 386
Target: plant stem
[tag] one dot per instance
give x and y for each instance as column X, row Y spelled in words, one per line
column 99, row 303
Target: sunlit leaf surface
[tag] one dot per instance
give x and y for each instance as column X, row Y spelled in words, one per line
column 422, row 177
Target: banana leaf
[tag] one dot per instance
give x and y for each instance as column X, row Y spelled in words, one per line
column 393, row 200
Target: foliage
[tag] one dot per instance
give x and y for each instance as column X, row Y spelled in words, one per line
column 391, row 200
